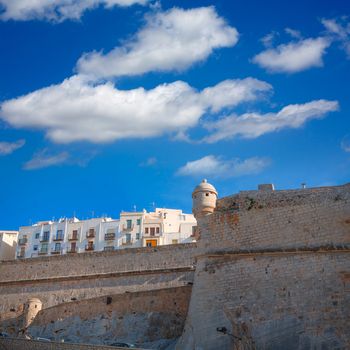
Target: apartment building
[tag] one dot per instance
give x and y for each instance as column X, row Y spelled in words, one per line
column 8, row 244
column 132, row 230
column 67, row 236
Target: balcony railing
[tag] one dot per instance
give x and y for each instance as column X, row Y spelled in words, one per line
column 127, row 241
column 90, row 234
column 72, row 250
column 109, row 236
column 128, row 228
column 90, row 247
column 56, row 251
column 44, row 238
column 22, row 241
column 59, row 237
column 73, row 237
column 42, row 251
column 107, row 249
column 152, row 234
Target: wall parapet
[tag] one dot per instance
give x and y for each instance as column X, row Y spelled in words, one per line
column 99, row 264
column 278, row 220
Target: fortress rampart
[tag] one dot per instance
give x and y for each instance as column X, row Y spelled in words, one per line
column 273, row 270
column 56, row 280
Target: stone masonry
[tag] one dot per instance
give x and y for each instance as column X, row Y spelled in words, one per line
column 271, row 270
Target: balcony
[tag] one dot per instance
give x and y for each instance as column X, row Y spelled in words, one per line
column 23, row 241
column 56, row 251
column 127, row 228
column 90, row 233
column 108, row 248
column 109, row 236
column 73, row 237
column 127, row 242
column 42, row 251
column 44, row 238
column 72, row 250
column 89, row 247
column 59, row 237
column 152, row 233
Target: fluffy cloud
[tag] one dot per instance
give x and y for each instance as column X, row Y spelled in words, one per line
column 78, row 111
column 55, row 10
column 218, row 167
column 43, row 159
column 171, row 40
column 10, row 147
column 293, row 57
column 252, row 125
column 339, row 30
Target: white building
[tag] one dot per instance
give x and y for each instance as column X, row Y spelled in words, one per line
column 133, row 229
column 8, row 244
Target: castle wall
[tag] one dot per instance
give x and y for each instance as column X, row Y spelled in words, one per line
column 279, row 219
column 273, row 269
column 140, row 318
column 62, row 279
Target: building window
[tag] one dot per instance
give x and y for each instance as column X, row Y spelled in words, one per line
column 157, row 229
column 35, row 248
column 73, row 247
column 37, row 235
column 46, row 236
column 59, row 235
column 138, row 222
column 43, row 248
column 128, row 237
column 128, row 224
column 57, row 247
column 137, row 236
column 152, row 231
column 146, row 230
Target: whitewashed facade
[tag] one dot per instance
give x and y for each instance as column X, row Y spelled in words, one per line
column 132, row 230
column 8, row 244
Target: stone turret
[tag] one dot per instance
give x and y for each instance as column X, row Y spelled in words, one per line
column 204, row 199
column 32, row 307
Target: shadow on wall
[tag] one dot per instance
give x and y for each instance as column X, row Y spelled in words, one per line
column 152, row 320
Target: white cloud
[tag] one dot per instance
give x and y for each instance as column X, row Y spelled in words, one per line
column 171, row 40
column 43, row 159
column 339, row 30
column 149, row 162
column 218, row 167
column 293, row 57
column 55, row 10
column 252, row 125
column 9, row 147
column 345, row 143
column 293, row 33
column 78, row 111
column 269, row 38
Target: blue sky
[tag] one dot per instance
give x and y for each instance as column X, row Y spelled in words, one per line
column 107, row 104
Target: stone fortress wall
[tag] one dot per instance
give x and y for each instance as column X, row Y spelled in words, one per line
column 273, row 268
column 270, row 267
column 56, row 280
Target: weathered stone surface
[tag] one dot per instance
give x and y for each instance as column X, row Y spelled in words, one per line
column 274, row 270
